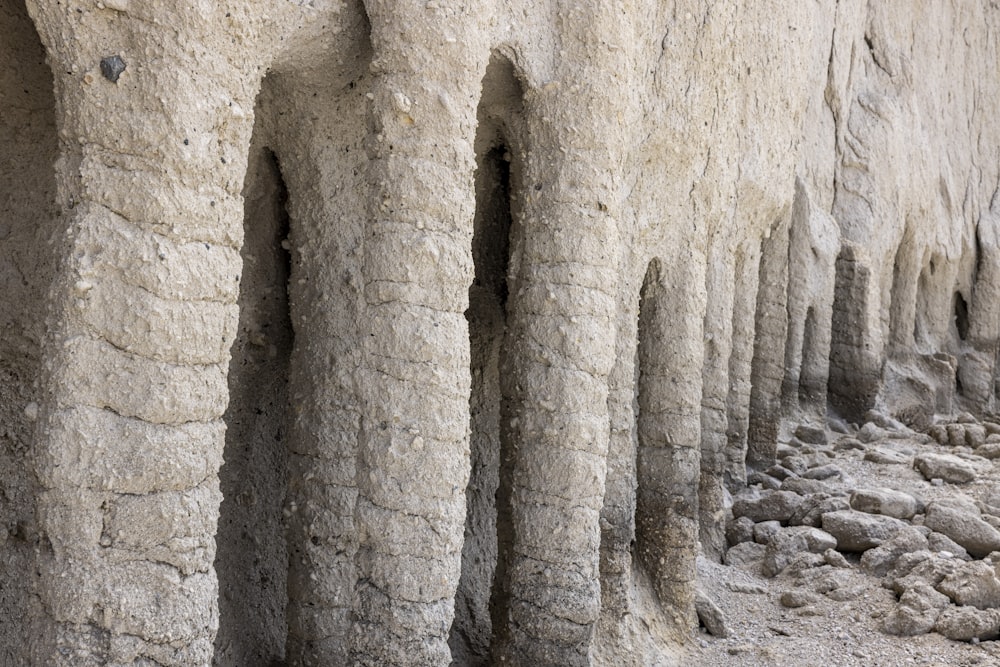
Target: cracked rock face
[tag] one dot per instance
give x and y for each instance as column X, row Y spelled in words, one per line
column 384, row 334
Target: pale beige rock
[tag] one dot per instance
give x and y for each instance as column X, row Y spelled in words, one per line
column 917, row 612
column 410, row 333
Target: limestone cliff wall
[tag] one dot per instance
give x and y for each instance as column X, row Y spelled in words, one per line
column 407, row 333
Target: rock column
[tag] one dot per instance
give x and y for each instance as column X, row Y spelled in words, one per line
column 152, row 157
column 740, row 364
column 767, row 368
column 668, row 466
column 719, row 333
column 414, row 446
column 561, row 323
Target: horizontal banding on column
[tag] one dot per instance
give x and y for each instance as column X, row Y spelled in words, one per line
column 177, row 332
column 97, row 374
column 99, row 449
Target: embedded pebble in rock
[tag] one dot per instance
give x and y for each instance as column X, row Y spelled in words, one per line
column 858, row 531
column 917, row 612
column 978, row 537
column 946, row 467
column 968, row 623
column 884, row 501
column 770, row 506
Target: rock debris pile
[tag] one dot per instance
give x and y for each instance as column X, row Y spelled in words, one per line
column 924, row 523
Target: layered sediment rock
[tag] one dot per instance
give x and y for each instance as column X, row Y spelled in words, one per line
column 482, row 307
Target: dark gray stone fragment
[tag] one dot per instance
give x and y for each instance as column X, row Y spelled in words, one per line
column 112, row 68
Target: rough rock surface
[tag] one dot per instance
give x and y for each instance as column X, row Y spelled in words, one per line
column 917, row 612
column 341, row 332
column 885, row 501
column 859, row 531
column 964, row 526
column 945, row 467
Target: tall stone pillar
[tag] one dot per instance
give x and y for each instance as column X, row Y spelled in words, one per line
column 771, row 331
column 428, row 66
column 719, row 334
column 323, row 162
column 561, row 323
column 740, row 364
column 671, row 329
column 152, row 156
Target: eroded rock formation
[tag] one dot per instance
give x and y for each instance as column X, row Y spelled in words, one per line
column 403, row 333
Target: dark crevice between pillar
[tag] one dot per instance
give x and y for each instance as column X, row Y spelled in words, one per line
column 251, row 560
column 29, row 222
column 483, row 593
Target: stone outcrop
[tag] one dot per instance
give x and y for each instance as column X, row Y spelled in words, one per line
column 401, row 333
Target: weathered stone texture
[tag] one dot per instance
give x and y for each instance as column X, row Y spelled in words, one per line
column 401, row 333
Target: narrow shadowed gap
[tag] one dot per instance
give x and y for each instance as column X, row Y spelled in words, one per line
column 488, row 529
column 961, row 310
column 251, row 560
column 921, row 334
column 641, row 551
column 29, row 223
column 482, row 599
